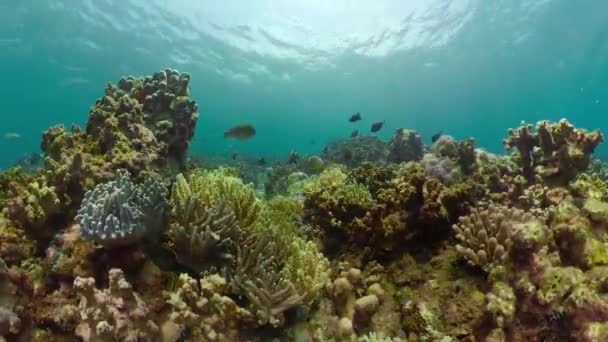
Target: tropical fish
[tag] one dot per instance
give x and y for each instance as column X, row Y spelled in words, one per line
column 240, row 132
column 355, row 117
column 292, row 158
column 436, row 136
column 261, row 162
column 354, row 134
column 234, row 156
column 314, row 163
column 11, row 136
column 376, row 126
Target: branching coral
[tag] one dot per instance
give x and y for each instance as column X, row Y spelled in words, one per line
column 201, row 310
column 120, row 212
column 485, row 235
column 209, row 186
column 115, row 313
column 307, row 269
column 258, row 277
column 204, row 236
column 556, row 151
column 31, row 205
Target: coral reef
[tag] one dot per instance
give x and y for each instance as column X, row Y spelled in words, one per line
column 115, row 313
column 390, row 242
column 354, row 151
column 557, row 152
column 405, row 145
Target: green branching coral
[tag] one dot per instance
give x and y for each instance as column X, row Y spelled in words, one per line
column 330, row 177
column 31, row 205
column 210, row 185
column 271, row 265
column 307, row 269
column 203, row 234
column 258, row 277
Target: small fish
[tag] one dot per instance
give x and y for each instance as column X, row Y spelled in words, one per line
column 261, row 162
column 376, row 126
column 292, row 158
column 314, row 163
column 313, row 141
column 234, row 156
column 11, row 136
column 436, row 136
column 240, row 132
column 355, row 117
column 354, row 134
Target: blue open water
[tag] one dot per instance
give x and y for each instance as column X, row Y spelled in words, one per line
column 298, row 69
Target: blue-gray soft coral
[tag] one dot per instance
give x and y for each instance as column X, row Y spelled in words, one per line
column 120, row 212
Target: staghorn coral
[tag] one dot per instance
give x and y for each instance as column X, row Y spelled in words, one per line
column 405, row 145
column 115, row 313
column 556, row 151
column 485, row 235
column 119, row 212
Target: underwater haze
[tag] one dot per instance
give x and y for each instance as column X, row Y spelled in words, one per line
column 297, row 70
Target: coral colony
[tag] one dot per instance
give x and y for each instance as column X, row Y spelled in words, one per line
column 118, row 236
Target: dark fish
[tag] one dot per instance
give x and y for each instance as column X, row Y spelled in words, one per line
column 376, row 126
column 312, row 141
column 240, row 132
column 436, row 136
column 354, row 134
column 292, row 158
column 234, row 156
column 261, row 162
column 355, row 117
